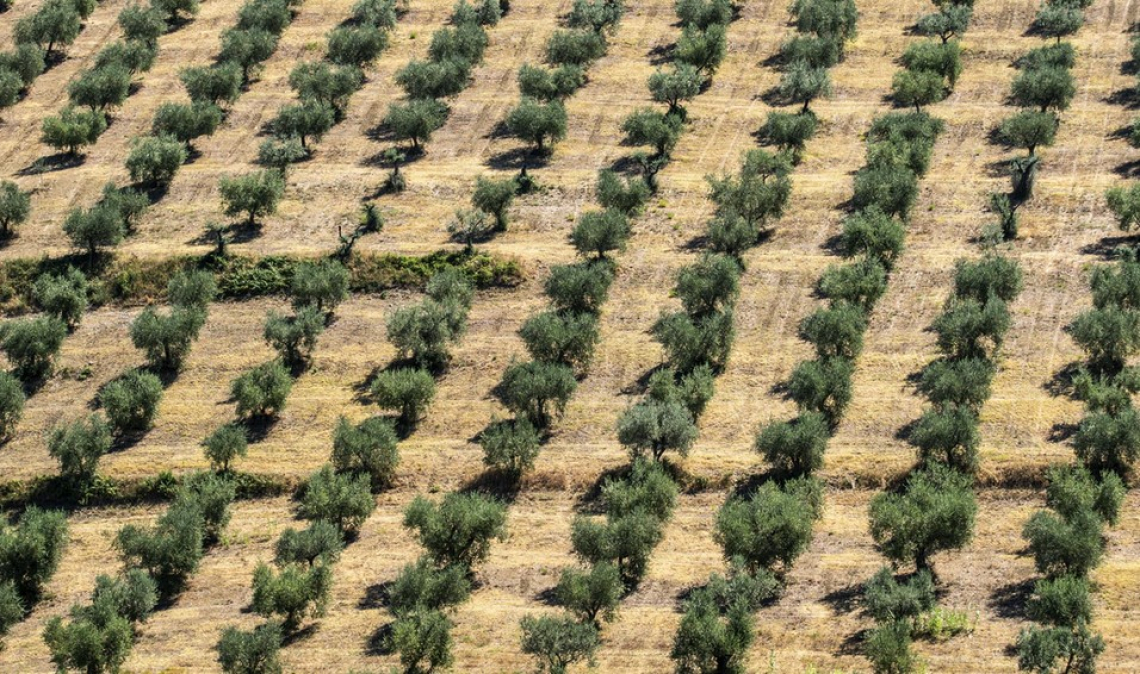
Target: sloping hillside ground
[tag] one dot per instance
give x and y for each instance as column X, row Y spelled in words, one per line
column 813, row 624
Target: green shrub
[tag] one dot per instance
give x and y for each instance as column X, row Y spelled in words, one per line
column 459, row 530
column 1116, row 285
column 1073, row 490
column 559, row 642
column 15, row 205
column 292, row 593
column 890, row 189
column 31, row 345
column 772, row 528
column 142, row 24
column 367, row 448
column 327, row 84
column 759, row 193
column 693, row 389
column 224, row 445
column 95, row 641
column 127, row 203
column 1060, row 602
column 304, row 121
column 63, row 296
column 250, row 652
column 510, row 446
column 56, row 23
column 803, row 83
column 166, row 338
column 1107, row 442
column 176, row 11
column 950, row 21
column 494, row 198
column 790, row 132
column 546, row 85
column 872, row 233
column 342, row 500
column 133, row 56
column 559, row 337
column 255, row 194
column 428, row 81
column 1124, row 202
column 192, row 289
column 423, row 332
column 280, row 153
column 944, row 60
column 247, row 48
column 536, row 391
column 262, row 391
column 934, row 513
column 78, row 446
column 131, row 401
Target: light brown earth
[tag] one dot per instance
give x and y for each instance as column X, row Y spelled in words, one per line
column 812, row 625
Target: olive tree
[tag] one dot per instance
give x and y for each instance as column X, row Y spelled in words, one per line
column 166, row 337
column 293, row 593
column 72, row 129
column 1048, row 88
column 795, row 448
column 408, row 391
column 537, row 391
column 78, row 446
column 367, row 448
column 772, row 528
column 227, row 443
column 294, row 337
column 185, row 122
column 153, row 160
column 255, row 194
column 216, row 85
column 12, row 399
column 538, row 123
column 15, row 205
column 62, row 296
column 340, row 499
column 131, row 401
column 1028, row 130
column 802, row 83
column 459, row 530
column 673, row 87
column 494, row 198
column 31, row 345
column 416, row 120
column 262, row 391
column 600, row 233
column 558, row 642
column 250, row 651
column 935, row 512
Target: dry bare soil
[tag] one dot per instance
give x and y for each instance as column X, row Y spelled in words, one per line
column 813, row 624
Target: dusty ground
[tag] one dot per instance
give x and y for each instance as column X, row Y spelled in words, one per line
column 1062, row 229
